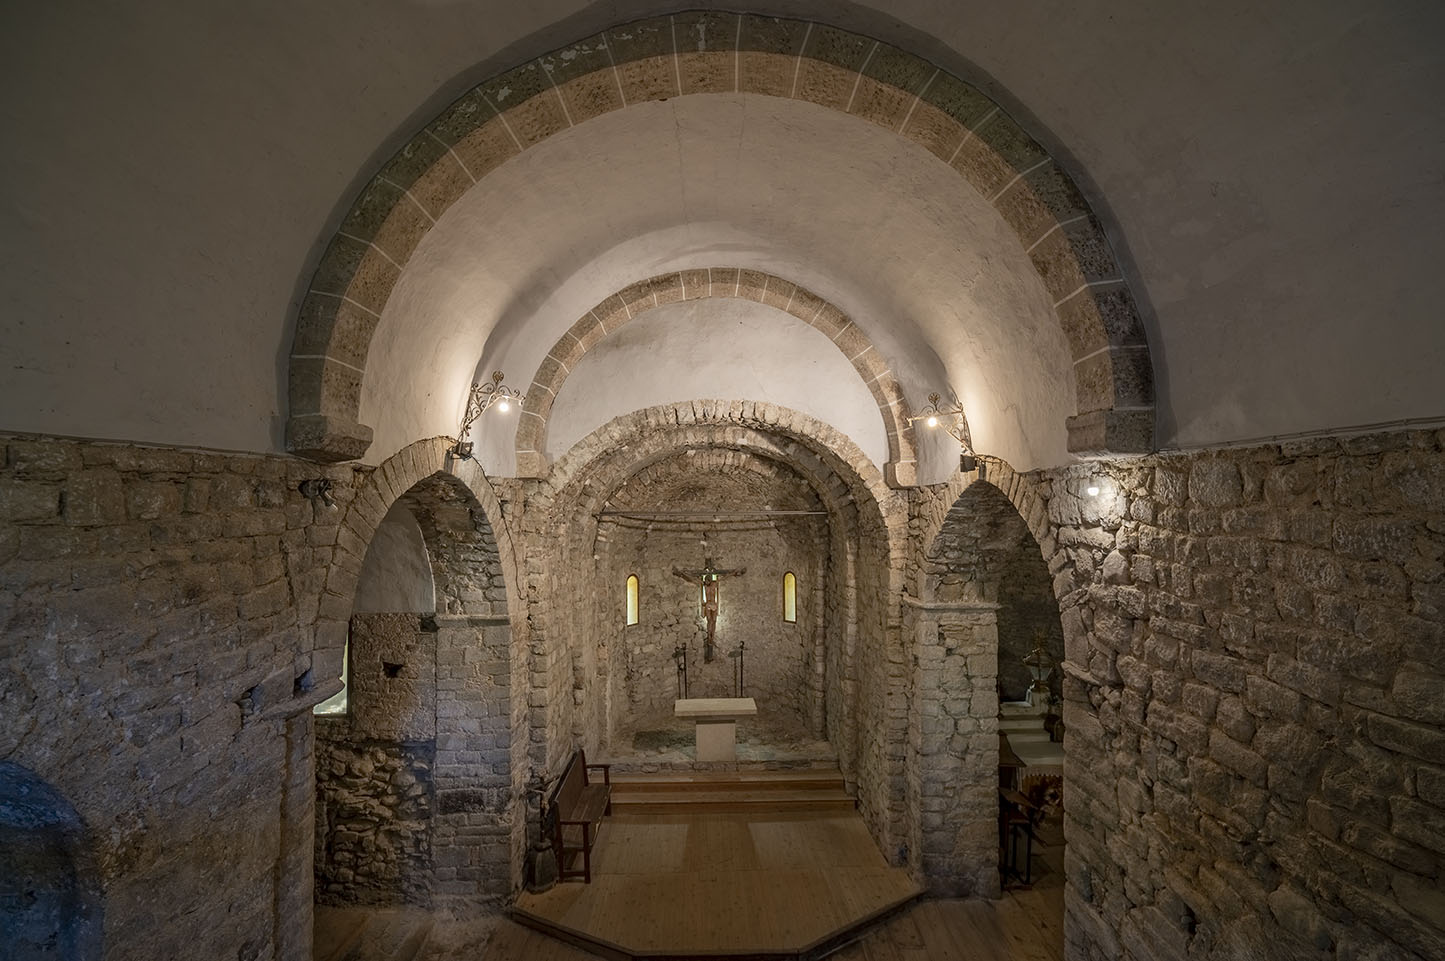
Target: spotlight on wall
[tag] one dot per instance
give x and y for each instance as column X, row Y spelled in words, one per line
column 1093, row 489
column 317, row 489
column 950, row 418
column 480, row 399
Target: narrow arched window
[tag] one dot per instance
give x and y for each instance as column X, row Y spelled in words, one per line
column 790, row 597
column 631, row 599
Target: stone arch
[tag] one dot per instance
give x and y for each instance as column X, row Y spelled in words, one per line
column 1021, row 492
column 50, row 893
column 716, row 52
column 618, row 309
column 970, row 532
column 869, row 548
column 480, row 657
column 375, row 495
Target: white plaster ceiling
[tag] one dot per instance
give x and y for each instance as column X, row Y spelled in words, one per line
column 731, row 349
column 873, row 223
column 171, row 172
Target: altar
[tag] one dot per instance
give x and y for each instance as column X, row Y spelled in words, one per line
column 717, row 723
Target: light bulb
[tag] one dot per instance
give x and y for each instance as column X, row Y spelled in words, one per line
column 932, row 421
column 503, row 406
column 1092, row 490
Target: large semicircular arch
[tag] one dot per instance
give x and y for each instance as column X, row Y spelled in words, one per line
column 616, row 310
column 716, row 52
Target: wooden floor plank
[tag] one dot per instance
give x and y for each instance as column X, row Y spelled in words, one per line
column 723, row 882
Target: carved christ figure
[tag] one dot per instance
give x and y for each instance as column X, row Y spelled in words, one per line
column 707, row 578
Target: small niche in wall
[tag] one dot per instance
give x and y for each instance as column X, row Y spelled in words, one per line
column 790, row 597
column 389, row 669
column 632, row 612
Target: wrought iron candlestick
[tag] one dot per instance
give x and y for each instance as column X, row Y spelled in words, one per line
column 679, row 654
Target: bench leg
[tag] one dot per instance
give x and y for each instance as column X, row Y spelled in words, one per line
column 586, row 855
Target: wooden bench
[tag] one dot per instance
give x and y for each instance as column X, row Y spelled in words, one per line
column 578, row 805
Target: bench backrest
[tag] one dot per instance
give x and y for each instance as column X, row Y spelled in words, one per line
column 574, row 779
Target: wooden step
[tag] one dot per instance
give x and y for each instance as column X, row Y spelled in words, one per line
column 699, row 802
column 746, row 781
column 730, row 792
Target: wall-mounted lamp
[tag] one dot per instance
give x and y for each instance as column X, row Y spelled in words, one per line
column 950, row 418
column 317, row 489
column 480, row 399
column 1093, row 489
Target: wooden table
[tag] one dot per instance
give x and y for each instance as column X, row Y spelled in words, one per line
column 717, row 723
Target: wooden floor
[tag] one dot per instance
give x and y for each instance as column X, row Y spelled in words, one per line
column 725, row 883
column 1026, row 924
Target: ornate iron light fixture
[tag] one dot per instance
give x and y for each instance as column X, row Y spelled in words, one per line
column 480, row 399
column 950, row 417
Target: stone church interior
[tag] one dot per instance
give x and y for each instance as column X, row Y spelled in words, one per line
column 581, row 479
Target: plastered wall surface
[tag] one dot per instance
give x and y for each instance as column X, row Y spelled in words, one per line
column 716, row 348
column 396, row 575
column 925, row 266
column 1247, row 264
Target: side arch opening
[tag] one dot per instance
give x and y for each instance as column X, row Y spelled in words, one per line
column 50, row 897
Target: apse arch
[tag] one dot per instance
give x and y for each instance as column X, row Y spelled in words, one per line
column 722, row 52
column 618, row 309
column 869, row 546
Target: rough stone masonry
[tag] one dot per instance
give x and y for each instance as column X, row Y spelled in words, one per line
column 1256, row 743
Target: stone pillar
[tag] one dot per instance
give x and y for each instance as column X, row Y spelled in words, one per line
column 953, row 748
column 476, row 803
column 295, row 864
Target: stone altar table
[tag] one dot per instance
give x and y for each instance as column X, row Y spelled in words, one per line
column 717, row 723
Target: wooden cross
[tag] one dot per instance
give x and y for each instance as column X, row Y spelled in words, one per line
column 708, row 578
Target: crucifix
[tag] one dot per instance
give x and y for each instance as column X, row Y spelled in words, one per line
column 708, row 578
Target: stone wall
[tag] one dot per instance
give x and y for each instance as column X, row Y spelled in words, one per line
column 156, row 612
column 1256, row 709
column 167, row 621
column 374, row 784
column 778, row 658
column 953, row 749
column 985, row 552
column 373, row 821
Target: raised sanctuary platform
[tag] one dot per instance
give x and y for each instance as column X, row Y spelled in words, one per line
column 765, row 881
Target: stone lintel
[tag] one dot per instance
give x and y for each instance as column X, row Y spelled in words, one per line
column 901, row 474
column 327, row 439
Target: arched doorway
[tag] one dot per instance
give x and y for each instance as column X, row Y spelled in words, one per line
column 50, row 901
column 984, row 605
column 419, row 766
column 730, row 457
